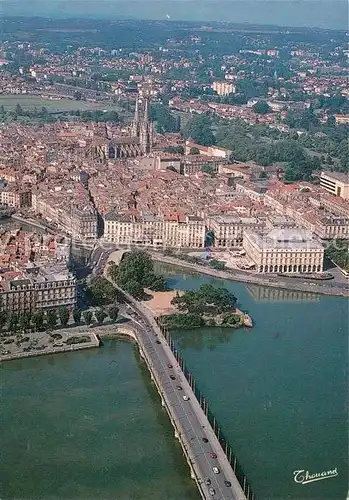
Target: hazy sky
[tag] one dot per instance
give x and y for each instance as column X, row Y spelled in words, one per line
column 321, row 13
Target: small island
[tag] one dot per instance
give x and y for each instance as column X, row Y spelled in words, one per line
column 208, row 306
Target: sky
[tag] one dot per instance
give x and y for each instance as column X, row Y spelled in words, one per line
column 314, row 13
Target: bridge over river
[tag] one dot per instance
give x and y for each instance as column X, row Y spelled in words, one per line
column 192, row 428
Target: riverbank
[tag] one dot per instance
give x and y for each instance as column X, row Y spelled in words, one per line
column 284, row 283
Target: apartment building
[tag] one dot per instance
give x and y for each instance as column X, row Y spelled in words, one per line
column 43, row 291
column 151, row 230
column 224, row 88
column 15, row 198
column 228, row 230
column 79, row 221
column 284, row 251
column 335, row 183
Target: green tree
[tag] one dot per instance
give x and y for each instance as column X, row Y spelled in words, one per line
column 77, row 315
column 38, row 320
column 25, row 321
column 18, row 110
column 194, row 151
column 199, row 128
column 101, row 291
column 165, row 120
column 87, row 315
column 261, row 108
column 64, row 315
column 113, row 312
column 51, row 318
column 100, row 315
column 13, row 323
column 3, row 319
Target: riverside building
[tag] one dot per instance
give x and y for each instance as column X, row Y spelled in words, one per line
column 284, row 251
column 228, row 230
column 151, row 230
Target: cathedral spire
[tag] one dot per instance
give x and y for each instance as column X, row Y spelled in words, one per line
column 136, row 118
column 146, row 111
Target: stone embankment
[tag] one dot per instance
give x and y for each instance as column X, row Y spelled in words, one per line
column 257, row 279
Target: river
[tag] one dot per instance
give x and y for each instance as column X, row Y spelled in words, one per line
column 90, row 425
column 279, row 390
column 87, row 426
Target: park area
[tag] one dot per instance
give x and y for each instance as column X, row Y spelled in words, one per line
column 29, row 102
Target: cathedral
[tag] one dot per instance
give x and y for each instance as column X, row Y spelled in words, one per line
column 139, row 142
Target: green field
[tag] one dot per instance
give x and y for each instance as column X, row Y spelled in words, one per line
column 30, row 102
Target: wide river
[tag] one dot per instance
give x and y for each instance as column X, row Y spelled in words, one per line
column 89, row 425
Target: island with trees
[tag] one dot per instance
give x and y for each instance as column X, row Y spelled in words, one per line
column 208, row 306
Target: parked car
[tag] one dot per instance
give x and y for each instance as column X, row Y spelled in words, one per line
column 178, row 387
column 212, row 491
column 227, row 483
column 205, row 440
column 207, row 481
column 213, row 455
column 169, row 365
column 216, row 470
column 186, row 398
column 172, row 377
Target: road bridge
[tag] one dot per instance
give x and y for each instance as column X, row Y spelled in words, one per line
column 192, row 428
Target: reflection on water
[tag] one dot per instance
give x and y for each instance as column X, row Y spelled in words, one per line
column 203, row 338
column 261, row 293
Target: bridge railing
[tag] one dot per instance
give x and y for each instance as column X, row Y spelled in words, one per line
column 237, row 468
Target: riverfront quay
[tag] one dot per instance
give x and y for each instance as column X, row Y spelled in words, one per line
column 324, row 288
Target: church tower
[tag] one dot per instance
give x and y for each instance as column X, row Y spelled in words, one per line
column 135, row 126
column 146, row 130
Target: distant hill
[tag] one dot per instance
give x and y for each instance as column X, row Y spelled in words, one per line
column 331, row 14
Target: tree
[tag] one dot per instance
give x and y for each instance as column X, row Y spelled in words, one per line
column 13, row 323
column 261, row 108
column 3, row 319
column 136, row 272
column 135, row 289
column 194, row 151
column 25, row 321
column 51, row 318
column 199, row 128
column 77, row 315
column 113, row 312
column 165, row 120
column 64, row 315
column 77, row 95
column 100, row 315
column 112, row 271
column 101, row 291
column 38, row 320
column 18, row 110
column 87, row 315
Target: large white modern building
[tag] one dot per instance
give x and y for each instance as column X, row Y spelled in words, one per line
column 335, row 183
